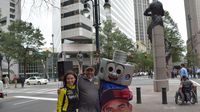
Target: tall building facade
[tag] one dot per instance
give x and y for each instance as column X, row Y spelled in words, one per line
column 192, row 13
column 141, row 22
column 10, row 10
column 122, row 14
column 77, row 31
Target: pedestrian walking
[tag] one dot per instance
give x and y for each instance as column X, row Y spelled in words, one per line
column 15, row 80
column 22, row 80
column 88, row 91
column 183, row 71
column 68, row 94
column 6, row 81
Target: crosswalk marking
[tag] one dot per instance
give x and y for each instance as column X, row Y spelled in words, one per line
column 33, row 90
column 37, row 98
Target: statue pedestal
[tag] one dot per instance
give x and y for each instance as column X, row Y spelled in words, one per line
column 160, row 70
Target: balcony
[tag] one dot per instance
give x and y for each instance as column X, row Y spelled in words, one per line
column 74, row 48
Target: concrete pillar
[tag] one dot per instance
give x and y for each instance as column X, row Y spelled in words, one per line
column 160, row 70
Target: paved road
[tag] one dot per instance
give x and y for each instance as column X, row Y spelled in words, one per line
column 42, row 98
column 33, row 98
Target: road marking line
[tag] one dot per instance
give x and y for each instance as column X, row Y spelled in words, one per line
column 23, row 102
column 37, row 98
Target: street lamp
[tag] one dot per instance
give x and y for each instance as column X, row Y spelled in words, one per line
column 54, row 76
column 96, row 18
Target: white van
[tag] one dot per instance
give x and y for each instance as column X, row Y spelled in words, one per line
column 1, row 90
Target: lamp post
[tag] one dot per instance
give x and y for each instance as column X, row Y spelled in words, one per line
column 96, row 18
column 54, row 76
column 191, row 42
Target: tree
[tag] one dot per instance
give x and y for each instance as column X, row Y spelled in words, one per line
column 39, row 3
column 7, row 48
column 143, row 61
column 171, row 32
column 43, row 58
column 27, row 39
column 111, row 38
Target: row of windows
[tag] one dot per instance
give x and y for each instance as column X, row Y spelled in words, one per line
column 67, row 14
column 69, row 2
column 76, row 25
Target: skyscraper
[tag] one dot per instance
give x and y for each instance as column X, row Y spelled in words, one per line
column 141, row 23
column 122, row 14
column 10, row 10
column 192, row 13
column 76, row 33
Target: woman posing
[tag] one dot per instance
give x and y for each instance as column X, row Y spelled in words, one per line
column 68, row 94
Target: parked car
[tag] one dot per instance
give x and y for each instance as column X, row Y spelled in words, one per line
column 36, row 80
column 1, row 90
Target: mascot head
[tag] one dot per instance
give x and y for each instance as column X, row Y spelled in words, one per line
column 117, row 70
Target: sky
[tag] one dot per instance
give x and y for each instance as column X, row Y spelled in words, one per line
column 41, row 17
column 176, row 10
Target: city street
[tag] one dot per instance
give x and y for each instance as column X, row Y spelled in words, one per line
column 42, row 98
column 32, row 98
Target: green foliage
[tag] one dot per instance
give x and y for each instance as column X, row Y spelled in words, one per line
column 143, row 61
column 27, row 37
column 20, row 39
column 172, row 34
column 111, row 38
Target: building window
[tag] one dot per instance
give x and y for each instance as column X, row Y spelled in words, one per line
column 12, row 4
column 12, row 16
column 69, row 2
column 72, row 13
column 76, row 25
column 12, row 10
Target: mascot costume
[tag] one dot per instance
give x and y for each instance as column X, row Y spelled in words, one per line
column 115, row 77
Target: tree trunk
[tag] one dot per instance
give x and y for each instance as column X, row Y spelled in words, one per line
column 8, row 68
column 25, row 68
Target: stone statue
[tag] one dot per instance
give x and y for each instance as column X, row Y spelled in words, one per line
column 80, row 56
column 156, row 11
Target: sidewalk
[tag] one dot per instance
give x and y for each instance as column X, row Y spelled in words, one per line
column 152, row 101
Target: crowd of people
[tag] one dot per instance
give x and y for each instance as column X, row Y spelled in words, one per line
column 6, row 81
column 186, row 71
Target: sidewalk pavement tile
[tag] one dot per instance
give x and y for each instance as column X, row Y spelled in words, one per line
column 152, row 101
